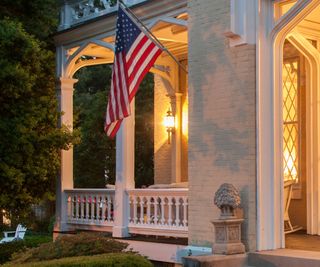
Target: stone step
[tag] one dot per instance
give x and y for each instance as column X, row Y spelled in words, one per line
column 272, row 258
column 239, row 260
column 285, row 258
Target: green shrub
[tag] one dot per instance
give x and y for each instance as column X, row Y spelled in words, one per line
column 35, row 240
column 69, row 246
column 7, row 249
column 51, row 224
column 115, row 260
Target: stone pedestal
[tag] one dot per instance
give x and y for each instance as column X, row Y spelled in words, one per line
column 228, row 237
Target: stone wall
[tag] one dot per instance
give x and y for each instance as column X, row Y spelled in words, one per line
column 222, row 121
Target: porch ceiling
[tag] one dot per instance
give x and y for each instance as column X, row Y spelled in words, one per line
column 311, row 23
column 171, row 31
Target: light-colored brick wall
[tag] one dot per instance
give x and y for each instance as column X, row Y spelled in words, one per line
column 162, row 150
column 222, row 137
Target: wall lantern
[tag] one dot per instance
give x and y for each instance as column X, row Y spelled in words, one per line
column 169, row 123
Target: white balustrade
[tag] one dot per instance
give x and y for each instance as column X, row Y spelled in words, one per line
column 159, row 212
column 75, row 12
column 90, row 206
column 162, row 212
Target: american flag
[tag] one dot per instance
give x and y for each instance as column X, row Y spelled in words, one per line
column 135, row 53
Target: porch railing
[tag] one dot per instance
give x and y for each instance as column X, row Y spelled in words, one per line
column 90, row 206
column 159, row 212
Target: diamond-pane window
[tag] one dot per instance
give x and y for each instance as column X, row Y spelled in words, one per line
column 290, row 78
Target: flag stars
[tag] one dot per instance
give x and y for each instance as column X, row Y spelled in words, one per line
column 126, row 32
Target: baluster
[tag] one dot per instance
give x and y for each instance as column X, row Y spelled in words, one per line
column 135, row 202
column 141, row 210
column 101, row 218
column 152, row 200
column 109, row 208
column 177, row 221
column 95, row 200
column 77, row 207
column 69, row 201
column 162, row 210
column 105, row 4
column 103, row 206
column 112, row 207
column 170, row 210
column 155, row 206
column 82, row 207
column 92, row 208
column 185, row 218
column 148, row 200
column 72, row 207
column 97, row 204
column 130, row 209
column 87, row 208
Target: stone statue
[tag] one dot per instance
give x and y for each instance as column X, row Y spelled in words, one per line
column 228, row 226
column 227, row 199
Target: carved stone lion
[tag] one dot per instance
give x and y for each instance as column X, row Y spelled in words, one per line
column 227, row 199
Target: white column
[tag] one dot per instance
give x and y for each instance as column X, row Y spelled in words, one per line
column 124, row 174
column 65, row 179
column 176, row 144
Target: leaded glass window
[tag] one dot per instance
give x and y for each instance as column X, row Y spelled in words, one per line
column 290, row 94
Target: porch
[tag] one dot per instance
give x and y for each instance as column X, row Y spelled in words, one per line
column 86, row 37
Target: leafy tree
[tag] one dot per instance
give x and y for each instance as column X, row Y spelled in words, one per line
column 30, row 139
column 38, row 17
column 94, row 157
column 144, row 130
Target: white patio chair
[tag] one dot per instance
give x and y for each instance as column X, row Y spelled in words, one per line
column 10, row 236
column 287, row 194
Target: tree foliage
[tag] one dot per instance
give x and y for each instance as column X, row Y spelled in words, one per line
column 38, row 17
column 30, row 139
column 144, row 131
column 94, row 156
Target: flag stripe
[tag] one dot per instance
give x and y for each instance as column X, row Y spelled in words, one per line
column 143, row 70
column 140, row 62
column 123, row 99
column 118, row 85
column 138, row 43
column 138, row 56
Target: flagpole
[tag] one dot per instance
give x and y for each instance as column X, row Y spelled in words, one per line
column 154, row 37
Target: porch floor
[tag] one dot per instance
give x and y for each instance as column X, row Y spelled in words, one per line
column 301, row 241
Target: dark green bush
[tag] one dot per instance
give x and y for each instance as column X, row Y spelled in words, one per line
column 115, row 260
column 51, row 224
column 34, row 240
column 7, row 249
column 72, row 245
